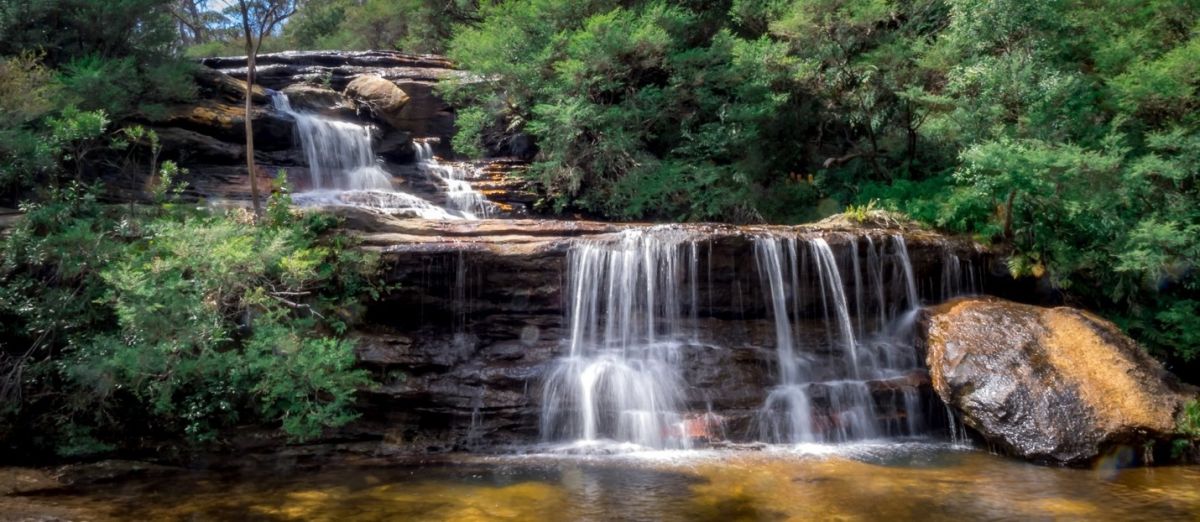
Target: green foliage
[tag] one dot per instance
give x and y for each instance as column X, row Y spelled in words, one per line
column 639, row 112
column 861, row 213
column 69, row 69
column 1064, row 132
column 1189, row 418
column 416, row 26
column 170, row 322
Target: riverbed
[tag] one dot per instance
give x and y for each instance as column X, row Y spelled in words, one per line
column 865, row 481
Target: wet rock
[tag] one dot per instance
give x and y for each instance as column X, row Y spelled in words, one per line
column 478, row 318
column 425, row 115
column 321, row 100
column 394, row 145
column 1053, row 385
column 381, row 97
column 109, row 471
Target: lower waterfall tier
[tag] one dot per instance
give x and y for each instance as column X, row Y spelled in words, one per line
column 485, row 342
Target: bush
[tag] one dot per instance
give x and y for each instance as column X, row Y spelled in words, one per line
column 171, row 322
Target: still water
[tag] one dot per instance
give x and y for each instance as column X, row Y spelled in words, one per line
column 912, row 481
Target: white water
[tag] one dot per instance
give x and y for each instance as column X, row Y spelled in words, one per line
column 454, row 177
column 621, row 380
column 843, row 329
column 338, row 153
column 344, row 169
column 832, row 400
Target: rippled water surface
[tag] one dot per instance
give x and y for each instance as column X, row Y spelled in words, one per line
column 859, row 482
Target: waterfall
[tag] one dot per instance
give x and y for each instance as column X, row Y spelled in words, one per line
column 844, row 363
column 829, row 394
column 338, row 153
column 343, row 167
column 459, row 192
column 620, row 379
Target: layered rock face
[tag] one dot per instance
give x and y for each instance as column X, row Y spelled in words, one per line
column 424, row 114
column 480, row 317
column 1053, row 385
column 389, row 93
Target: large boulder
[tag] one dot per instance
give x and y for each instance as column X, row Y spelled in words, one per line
column 1053, row 385
column 382, row 97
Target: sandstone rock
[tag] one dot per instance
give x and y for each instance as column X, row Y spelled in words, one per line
column 477, row 319
column 226, row 122
column 189, row 147
column 382, row 97
column 216, row 84
column 323, row 100
column 1053, row 385
column 425, row 115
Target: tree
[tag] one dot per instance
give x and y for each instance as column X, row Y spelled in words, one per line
column 259, row 18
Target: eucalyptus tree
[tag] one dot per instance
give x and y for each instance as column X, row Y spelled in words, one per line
column 259, row 18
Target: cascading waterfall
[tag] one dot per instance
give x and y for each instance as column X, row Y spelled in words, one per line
column 845, row 365
column 343, row 167
column 459, row 193
column 826, row 395
column 339, row 153
column 621, row 380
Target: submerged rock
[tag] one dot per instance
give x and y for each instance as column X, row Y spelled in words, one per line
column 1053, row 385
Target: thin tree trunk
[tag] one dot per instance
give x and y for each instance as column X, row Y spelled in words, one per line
column 1008, row 216
column 250, row 167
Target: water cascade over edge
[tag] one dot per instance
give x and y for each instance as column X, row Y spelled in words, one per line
column 621, row 380
column 842, row 321
column 344, row 169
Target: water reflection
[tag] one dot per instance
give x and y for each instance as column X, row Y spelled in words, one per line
column 863, row 482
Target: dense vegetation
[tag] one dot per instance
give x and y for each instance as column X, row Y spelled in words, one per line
column 126, row 326
column 1066, row 133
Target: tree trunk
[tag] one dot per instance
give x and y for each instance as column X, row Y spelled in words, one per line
column 250, row 136
column 250, row 167
column 1008, row 216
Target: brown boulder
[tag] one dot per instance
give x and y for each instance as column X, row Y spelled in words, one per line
column 1053, row 385
column 382, row 97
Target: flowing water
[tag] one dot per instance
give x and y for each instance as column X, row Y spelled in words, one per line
column 855, row 482
column 843, row 430
column 633, row 310
column 344, row 169
column 824, row 391
column 454, row 178
column 620, row 380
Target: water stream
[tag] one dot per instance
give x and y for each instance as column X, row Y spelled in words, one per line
column 345, row 170
column 454, row 177
column 845, row 367
column 620, row 380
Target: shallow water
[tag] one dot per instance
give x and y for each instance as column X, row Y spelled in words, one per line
column 857, row 482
